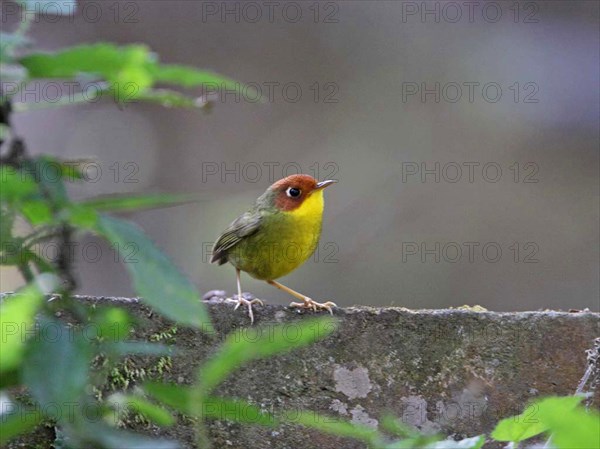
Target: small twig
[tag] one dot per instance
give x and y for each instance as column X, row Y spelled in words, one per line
column 17, row 157
column 5, row 110
column 592, row 371
column 63, row 262
column 39, row 236
column 26, row 272
column 16, row 154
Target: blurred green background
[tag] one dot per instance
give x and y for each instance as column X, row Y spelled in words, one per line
column 357, row 120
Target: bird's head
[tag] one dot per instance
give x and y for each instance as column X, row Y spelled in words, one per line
column 299, row 194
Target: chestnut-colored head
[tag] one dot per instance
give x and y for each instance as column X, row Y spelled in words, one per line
column 290, row 193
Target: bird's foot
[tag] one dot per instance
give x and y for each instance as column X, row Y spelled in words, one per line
column 315, row 306
column 248, row 303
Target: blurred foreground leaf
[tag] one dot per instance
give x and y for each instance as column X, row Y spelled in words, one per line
column 137, row 404
column 113, row 63
column 17, row 314
column 17, row 422
column 253, row 343
column 570, row 427
column 57, row 353
column 175, row 396
column 154, row 276
column 99, row 435
column 189, row 77
column 333, row 426
column 131, row 71
column 530, row 423
column 15, row 185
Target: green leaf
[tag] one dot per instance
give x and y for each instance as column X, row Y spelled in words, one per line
column 237, row 411
column 14, row 253
column 137, row 404
column 128, row 203
column 257, row 342
column 110, row 438
column 175, row 396
column 130, row 70
column 467, row 443
column 519, row 428
column 57, row 169
column 190, row 77
column 56, row 366
column 570, row 427
column 109, row 61
column 125, row 67
column 396, row 427
column 155, row 278
column 9, row 379
column 98, row 434
column 68, row 170
column 114, row 323
column 81, row 216
column 179, row 398
column 529, row 424
column 333, row 426
column 15, row 184
column 21, row 186
column 37, row 211
column 113, row 326
column 17, row 314
column 17, row 423
column 49, row 176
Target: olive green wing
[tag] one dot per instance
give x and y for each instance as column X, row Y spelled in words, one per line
column 244, row 226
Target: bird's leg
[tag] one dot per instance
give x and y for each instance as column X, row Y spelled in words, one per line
column 241, row 300
column 306, row 303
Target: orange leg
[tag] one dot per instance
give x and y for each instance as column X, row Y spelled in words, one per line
column 306, row 303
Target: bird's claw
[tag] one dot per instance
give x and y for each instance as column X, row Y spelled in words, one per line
column 239, row 301
column 314, row 306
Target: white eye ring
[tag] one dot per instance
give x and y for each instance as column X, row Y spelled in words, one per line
column 293, row 192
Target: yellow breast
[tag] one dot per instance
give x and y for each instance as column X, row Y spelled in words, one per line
column 311, row 208
column 286, row 240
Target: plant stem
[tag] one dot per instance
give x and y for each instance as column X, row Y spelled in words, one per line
column 26, row 272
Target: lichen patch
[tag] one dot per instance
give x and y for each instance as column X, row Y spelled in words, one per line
column 353, row 383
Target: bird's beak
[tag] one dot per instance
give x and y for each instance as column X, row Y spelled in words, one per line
column 323, row 184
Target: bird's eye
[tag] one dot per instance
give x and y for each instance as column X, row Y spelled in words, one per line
column 293, row 192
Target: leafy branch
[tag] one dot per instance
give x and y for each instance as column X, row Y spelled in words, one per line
column 57, row 372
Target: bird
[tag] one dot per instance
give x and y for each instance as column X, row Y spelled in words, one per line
column 275, row 236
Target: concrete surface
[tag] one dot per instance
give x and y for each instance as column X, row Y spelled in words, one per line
column 453, row 371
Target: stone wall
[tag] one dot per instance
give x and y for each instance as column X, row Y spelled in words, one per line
column 453, row 371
